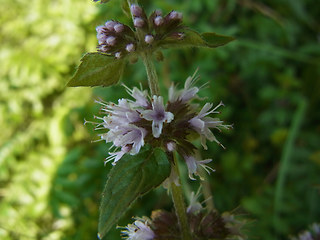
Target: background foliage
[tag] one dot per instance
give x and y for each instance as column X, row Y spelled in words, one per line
column 51, row 176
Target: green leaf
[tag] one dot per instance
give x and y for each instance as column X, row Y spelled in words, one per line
column 97, row 70
column 125, row 8
column 214, row 40
column 130, row 178
column 194, row 39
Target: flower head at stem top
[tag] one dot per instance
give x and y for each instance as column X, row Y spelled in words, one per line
column 149, row 32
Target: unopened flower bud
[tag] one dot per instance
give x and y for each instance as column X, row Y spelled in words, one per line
column 101, row 41
column 104, row 48
column 148, row 39
column 136, row 10
column 110, row 24
column 158, row 12
column 101, row 37
column 118, row 27
column 130, row 47
column 171, row 146
column 158, row 20
column 138, row 22
column 175, row 15
column 99, row 29
column 117, row 55
column 111, row 40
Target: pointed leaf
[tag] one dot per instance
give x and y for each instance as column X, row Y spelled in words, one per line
column 97, row 70
column 192, row 38
column 215, row 40
column 130, row 178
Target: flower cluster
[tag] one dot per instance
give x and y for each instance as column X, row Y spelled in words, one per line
column 164, row 225
column 118, row 39
column 133, row 123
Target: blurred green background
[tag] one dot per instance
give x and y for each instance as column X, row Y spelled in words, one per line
column 51, row 175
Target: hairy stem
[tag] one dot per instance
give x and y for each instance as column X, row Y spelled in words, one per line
column 151, row 72
column 179, row 203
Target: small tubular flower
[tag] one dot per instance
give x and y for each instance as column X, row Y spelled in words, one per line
column 193, row 165
column 157, row 115
column 139, row 230
column 202, row 124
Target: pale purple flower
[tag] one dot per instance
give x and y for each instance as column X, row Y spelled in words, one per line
column 187, row 93
column 193, row 165
column 202, row 123
column 157, row 115
column 139, row 95
column 194, row 206
column 121, row 113
column 130, row 138
column 139, row 230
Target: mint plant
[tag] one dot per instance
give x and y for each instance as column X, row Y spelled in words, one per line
column 148, row 134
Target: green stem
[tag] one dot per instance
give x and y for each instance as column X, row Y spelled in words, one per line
column 151, row 72
column 179, row 204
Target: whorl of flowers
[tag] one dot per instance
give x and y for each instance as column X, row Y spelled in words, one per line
column 119, row 40
column 203, row 224
column 144, row 119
